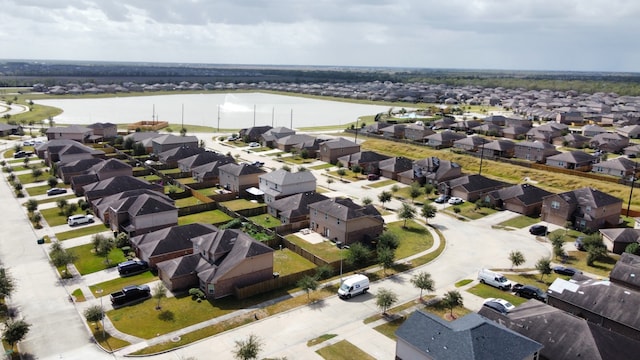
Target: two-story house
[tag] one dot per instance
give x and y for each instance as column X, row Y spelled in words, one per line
column 74, row 132
column 331, row 150
column 239, row 177
column 537, row 151
column 341, row 219
column 586, row 208
column 280, row 183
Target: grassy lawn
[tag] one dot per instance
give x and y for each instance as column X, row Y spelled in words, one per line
column 28, row 178
column 320, row 339
column 287, row 262
column 150, row 178
column 445, row 313
column 106, row 341
column 276, row 153
column 208, row 217
column 382, row 183
column 326, row 250
column 404, row 193
column 114, row 285
column 81, row 231
column 468, row 210
column 260, row 149
column 187, row 181
column 35, row 165
column 265, row 220
column 53, row 217
column 348, row 176
column 38, row 190
column 414, row 239
column 320, row 167
column 190, row 201
column 88, row 262
column 520, row 222
column 171, row 171
column 241, row 204
column 486, row 291
column 208, row 191
column 578, row 260
column 78, row 295
column 343, row 350
column 388, row 329
column 54, row 199
column 298, row 160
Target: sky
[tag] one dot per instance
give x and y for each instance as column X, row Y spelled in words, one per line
column 567, row 35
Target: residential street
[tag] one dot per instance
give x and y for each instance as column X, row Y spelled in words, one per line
column 59, row 332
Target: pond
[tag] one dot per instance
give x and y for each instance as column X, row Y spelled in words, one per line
column 226, row 111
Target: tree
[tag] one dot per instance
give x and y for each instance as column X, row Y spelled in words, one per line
column 428, row 189
column 104, row 247
column 7, row 284
column 423, row 281
column 94, row 313
column 128, row 143
column 415, row 191
column 70, row 209
column 308, row 284
column 544, row 266
column 52, row 181
column 595, row 253
column 452, row 299
column 366, row 201
column 15, row 331
column 517, row 258
column 395, row 188
column 60, row 256
column 286, row 168
column 324, row 272
column 32, row 205
column 385, row 298
column 428, row 211
column 341, row 172
column 159, row 293
column 633, row 248
column 357, row 254
column 389, row 240
column 407, row 212
column 304, row 154
column 385, row 258
column 248, row 349
column 384, row 197
column 61, row 203
column 36, row 173
column 329, row 182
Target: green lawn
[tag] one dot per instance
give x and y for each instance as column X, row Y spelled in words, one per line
column 38, row 190
column 260, row 149
column 287, row 262
column 114, row 285
column 208, row 191
column 320, row 339
column 404, row 193
column 81, row 231
column 298, row 160
column 32, row 165
column 389, row 328
column 187, row 180
column 265, row 220
column 325, row 250
column 414, row 239
column 88, row 262
column 343, row 350
column 207, row 217
column 469, row 211
column 486, row 291
column 320, row 167
column 190, row 201
column 28, row 178
column 53, row 217
column 54, row 199
column 241, row 204
column 578, row 260
column 382, row 183
column 349, row 175
column 520, row 222
column 150, row 178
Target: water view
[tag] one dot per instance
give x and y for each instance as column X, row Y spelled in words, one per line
column 227, row 111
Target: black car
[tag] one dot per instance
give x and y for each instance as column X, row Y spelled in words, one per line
column 563, row 270
column 538, row 230
column 132, row 267
column 22, row 154
column 442, row 199
column 56, row 191
column 530, row 292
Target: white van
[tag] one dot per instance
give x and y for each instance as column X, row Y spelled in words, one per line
column 494, row 279
column 353, row 285
column 79, row 219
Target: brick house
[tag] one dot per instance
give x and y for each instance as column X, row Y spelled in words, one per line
column 331, row 150
column 343, row 220
column 586, row 208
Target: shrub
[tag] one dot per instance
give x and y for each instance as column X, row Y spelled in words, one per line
column 196, row 294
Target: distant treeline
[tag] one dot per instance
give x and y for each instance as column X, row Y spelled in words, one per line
column 25, row 73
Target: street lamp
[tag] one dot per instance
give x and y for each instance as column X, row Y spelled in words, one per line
column 99, row 292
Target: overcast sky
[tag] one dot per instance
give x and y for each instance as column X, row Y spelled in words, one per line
column 589, row 35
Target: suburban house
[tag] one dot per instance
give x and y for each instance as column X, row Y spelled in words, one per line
column 443, row 139
column 66, row 151
column 169, row 243
column 625, row 272
column 431, row 170
column 602, row 302
column 138, row 211
column 116, row 185
column 269, row 137
column 537, row 151
column 173, row 155
column 78, row 167
column 391, row 167
column 341, row 219
column 586, row 208
column 395, row 131
column 499, row 148
column 620, row 167
column 592, row 130
column 331, row 150
column 570, row 118
column 573, row 160
column 281, row 183
column 294, row 208
column 142, row 137
column 617, row 239
column 253, row 134
column 499, row 120
column 572, row 140
column 470, row 143
column 375, row 127
column 309, row 148
column 288, row 142
column 100, row 171
column 632, row 150
column 220, row 262
column 103, row 131
column 162, row 143
column 417, row 132
column 564, row 336
column 367, row 160
column 524, row 199
column 609, row 142
column 424, row 336
column 488, row 129
column 546, row 132
column 187, row 164
column 239, row 177
column 7, row 129
column 630, row 131
column 210, row 172
column 470, row 187
column 515, row 132
column 74, row 132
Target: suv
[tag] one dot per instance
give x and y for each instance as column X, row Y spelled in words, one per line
column 132, row 267
column 79, row 219
column 530, row 292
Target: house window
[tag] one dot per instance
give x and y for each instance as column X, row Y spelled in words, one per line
column 325, row 216
column 315, row 212
column 338, row 221
column 555, row 205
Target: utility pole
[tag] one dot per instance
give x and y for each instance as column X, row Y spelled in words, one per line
column 218, row 118
column 291, row 119
column 273, row 111
column 633, row 182
column 182, row 126
column 254, row 115
column 356, row 138
column 481, row 158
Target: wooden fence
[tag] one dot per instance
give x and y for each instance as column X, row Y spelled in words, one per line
column 271, row 284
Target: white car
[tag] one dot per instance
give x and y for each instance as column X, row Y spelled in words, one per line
column 254, row 145
column 74, row 220
column 455, row 201
column 500, row 305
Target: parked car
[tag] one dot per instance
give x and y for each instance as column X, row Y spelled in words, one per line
column 373, row 177
column 254, row 145
column 579, row 244
column 441, row 199
column 22, row 154
column 132, row 267
column 455, row 201
column 56, row 191
column 130, row 294
column 500, row 305
column 538, row 230
column 563, row 270
column 74, row 220
column 530, row 292
column 258, row 163
column 495, row 279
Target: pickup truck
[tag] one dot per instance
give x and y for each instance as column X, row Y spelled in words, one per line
column 130, row 294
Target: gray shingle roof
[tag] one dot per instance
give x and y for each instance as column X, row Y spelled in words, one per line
column 345, row 209
column 283, row 177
